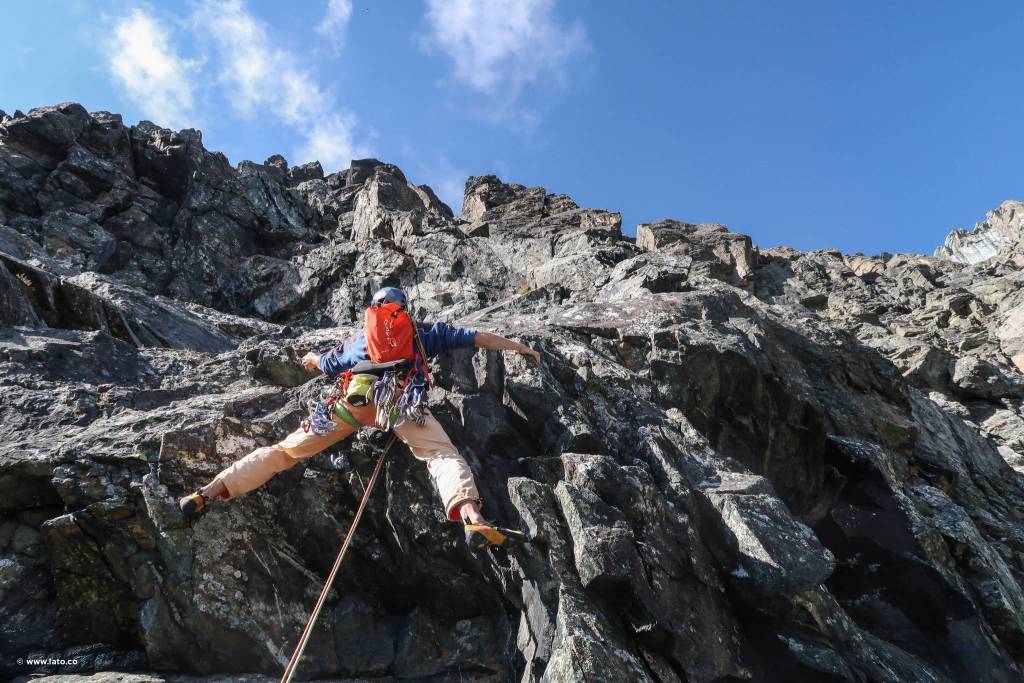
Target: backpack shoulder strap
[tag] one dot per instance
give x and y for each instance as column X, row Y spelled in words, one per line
column 420, row 349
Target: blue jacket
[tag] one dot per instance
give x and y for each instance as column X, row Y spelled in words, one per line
column 437, row 339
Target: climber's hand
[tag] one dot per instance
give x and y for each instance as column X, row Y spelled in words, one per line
column 311, row 362
column 532, row 354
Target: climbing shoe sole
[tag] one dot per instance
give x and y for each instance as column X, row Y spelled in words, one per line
column 192, row 504
column 481, row 535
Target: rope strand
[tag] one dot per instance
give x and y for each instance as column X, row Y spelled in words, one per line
column 293, row 663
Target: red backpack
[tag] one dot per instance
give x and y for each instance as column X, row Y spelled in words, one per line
column 389, row 333
column 392, row 335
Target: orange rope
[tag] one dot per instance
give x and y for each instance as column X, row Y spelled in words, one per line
column 293, row 663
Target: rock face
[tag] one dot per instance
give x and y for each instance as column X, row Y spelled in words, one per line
column 1000, row 232
column 722, row 254
column 736, row 464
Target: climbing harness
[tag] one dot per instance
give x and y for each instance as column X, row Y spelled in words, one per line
column 293, row 663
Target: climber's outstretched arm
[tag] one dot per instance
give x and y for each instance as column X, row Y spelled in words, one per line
column 489, row 340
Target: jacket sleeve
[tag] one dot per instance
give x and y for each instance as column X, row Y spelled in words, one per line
column 441, row 338
column 337, row 361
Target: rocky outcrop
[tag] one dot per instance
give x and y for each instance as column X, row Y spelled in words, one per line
column 1001, row 232
column 723, row 255
column 735, row 464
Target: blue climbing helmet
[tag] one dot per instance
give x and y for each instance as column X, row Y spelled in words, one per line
column 391, row 295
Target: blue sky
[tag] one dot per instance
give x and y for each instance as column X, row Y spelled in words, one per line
column 862, row 126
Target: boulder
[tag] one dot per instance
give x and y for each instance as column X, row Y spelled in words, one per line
column 976, row 378
column 762, row 544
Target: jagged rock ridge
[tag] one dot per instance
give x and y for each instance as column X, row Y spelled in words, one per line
column 1001, row 232
column 738, row 464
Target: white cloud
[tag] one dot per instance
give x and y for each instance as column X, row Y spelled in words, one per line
column 144, row 62
column 335, row 21
column 499, row 46
column 330, row 142
column 260, row 77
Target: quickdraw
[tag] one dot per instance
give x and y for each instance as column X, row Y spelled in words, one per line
column 385, row 397
column 319, row 419
column 413, row 403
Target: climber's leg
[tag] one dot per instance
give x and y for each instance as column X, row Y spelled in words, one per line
column 256, row 468
column 454, row 481
column 448, row 469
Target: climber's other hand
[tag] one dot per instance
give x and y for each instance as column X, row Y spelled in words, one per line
column 311, row 362
column 535, row 355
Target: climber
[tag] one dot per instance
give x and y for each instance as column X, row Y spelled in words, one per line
column 363, row 400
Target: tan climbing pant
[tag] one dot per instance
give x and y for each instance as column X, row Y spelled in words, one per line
column 429, row 443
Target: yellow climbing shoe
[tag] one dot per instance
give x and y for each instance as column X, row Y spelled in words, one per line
column 193, row 504
column 482, row 535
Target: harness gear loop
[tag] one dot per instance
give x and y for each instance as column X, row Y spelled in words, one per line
column 293, row 663
column 385, row 397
